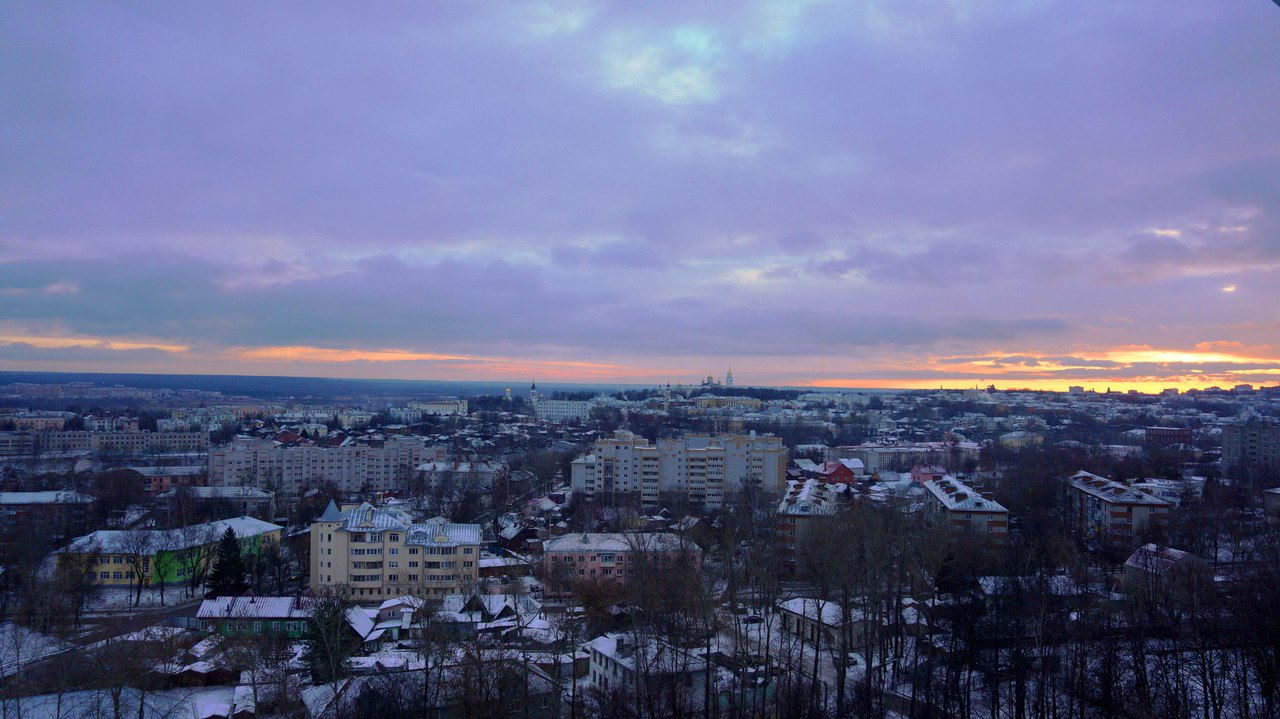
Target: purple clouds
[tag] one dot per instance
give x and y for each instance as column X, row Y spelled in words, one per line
column 813, row 190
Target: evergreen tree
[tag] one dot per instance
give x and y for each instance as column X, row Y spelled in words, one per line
column 227, row 577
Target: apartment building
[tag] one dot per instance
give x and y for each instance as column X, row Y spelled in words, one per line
column 1110, row 513
column 649, row 667
column 292, row 469
column 878, row 457
column 14, row 444
column 696, row 470
column 39, row 421
column 804, row 502
column 1250, row 445
column 62, row 514
column 611, row 557
column 184, row 505
column 965, row 511
column 374, row 553
column 132, row 442
column 441, row 406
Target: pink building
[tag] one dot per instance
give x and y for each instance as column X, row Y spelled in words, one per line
column 611, row 557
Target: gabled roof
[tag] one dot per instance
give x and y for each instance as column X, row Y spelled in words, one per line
column 118, row 541
column 1112, row 491
column 1156, row 559
column 619, row 542
column 255, row 608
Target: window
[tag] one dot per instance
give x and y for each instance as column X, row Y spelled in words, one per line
column 118, row 560
column 117, row 575
column 393, row 577
column 106, row 575
column 393, row 565
column 413, row 565
column 467, row 550
column 468, row 563
column 393, row 537
column 104, row 560
column 393, row 550
column 413, row 550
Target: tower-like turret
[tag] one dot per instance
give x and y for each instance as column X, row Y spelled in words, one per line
column 728, row 377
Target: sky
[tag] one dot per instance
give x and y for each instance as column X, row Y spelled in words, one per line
column 866, row 193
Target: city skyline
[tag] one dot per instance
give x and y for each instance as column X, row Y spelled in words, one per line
column 878, row 194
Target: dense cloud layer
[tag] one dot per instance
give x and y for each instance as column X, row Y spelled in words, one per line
column 868, row 192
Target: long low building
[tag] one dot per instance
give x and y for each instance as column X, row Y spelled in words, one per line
column 114, row 557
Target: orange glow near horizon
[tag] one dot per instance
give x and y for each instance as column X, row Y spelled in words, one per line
column 1219, row 363
column 90, row 342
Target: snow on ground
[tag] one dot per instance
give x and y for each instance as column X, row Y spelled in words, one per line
column 196, row 703
column 116, row 600
column 20, row 646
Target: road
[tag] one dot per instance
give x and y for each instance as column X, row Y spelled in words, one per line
column 117, row 623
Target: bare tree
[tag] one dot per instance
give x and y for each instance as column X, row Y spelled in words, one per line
column 137, row 546
column 198, row 544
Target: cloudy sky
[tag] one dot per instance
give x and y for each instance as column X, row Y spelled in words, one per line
column 892, row 193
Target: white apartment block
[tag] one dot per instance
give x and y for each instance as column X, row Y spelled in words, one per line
column 374, row 553
column 441, row 406
column 698, row 469
column 291, row 470
column 561, row 410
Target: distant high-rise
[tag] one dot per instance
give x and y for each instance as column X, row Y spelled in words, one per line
column 697, row 469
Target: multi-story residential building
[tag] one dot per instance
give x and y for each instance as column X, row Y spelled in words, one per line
column 373, row 553
column 292, row 469
column 185, row 505
column 696, row 470
column 140, row 442
column 61, row 514
column 612, row 557
column 712, row 401
column 562, row 410
column 1110, row 513
column 803, row 504
column 1155, row 438
column 169, row 556
column 1250, row 445
column 469, row 474
column 902, row 457
column 40, row 421
column 441, row 406
column 111, row 424
column 675, row 676
column 964, row 511
column 161, row 479
column 16, row 444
